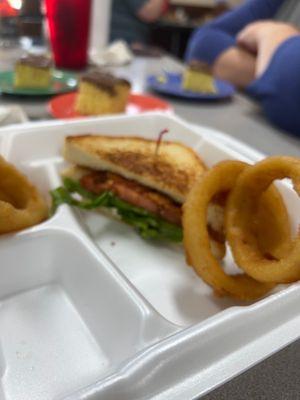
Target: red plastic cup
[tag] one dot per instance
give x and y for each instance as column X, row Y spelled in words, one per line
column 69, row 25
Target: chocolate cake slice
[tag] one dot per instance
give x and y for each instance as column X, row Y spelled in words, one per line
column 102, row 93
column 33, row 71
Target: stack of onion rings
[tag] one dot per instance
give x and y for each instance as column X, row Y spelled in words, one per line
column 21, row 205
column 242, row 202
column 268, row 223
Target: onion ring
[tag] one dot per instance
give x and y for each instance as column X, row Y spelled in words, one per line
column 21, row 205
column 271, row 225
column 242, row 203
column 221, row 178
column 215, row 226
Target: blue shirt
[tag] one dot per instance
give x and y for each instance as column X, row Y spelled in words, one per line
column 278, row 89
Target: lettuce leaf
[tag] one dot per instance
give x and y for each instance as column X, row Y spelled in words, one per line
column 148, row 225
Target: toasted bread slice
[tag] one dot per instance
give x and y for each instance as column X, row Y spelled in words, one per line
column 171, row 170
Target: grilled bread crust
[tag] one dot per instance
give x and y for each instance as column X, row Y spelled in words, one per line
column 171, row 170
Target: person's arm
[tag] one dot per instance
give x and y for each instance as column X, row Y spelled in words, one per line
column 263, row 38
column 147, row 10
column 152, row 10
column 277, row 86
column 235, row 20
column 208, row 42
column 236, row 66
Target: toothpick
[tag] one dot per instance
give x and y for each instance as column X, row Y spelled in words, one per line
column 159, row 139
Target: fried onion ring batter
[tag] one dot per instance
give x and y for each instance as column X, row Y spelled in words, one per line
column 252, row 183
column 220, row 179
column 21, row 205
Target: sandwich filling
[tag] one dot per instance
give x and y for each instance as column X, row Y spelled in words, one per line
column 154, row 215
column 134, row 193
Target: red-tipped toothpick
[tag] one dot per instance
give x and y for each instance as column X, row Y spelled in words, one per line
column 159, row 139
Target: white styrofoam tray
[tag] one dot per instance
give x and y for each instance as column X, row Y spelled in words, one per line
column 89, row 310
column 12, row 115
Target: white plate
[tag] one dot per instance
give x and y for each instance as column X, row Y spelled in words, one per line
column 88, row 310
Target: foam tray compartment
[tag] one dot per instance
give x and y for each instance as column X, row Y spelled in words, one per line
column 89, row 310
column 61, row 314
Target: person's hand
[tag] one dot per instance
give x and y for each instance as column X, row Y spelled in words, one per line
column 235, row 65
column 263, row 38
column 251, row 36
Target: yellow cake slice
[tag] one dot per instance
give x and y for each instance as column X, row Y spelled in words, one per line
column 102, row 93
column 197, row 78
column 33, row 72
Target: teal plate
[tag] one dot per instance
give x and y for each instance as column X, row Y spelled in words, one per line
column 62, row 82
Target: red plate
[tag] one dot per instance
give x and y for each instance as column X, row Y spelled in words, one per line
column 62, row 106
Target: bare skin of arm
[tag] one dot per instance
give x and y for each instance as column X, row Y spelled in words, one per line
column 151, row 11
column 264, row 38
column 236, row 66
column 257, row 43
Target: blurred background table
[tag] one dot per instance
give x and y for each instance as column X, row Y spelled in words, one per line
column 239, row 117
column 277, row 377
